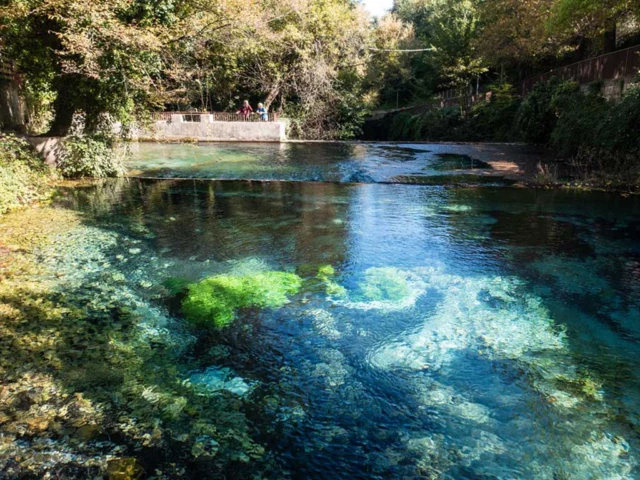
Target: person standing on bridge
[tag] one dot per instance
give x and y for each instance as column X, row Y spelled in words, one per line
column 264, row 115
column 245, row 110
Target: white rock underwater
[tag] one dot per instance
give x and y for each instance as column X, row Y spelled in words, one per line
column 494, row 318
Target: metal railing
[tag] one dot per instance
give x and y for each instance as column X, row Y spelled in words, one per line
column 461, row 97
column 207, row 117
column 7, row 70
column 622, row 65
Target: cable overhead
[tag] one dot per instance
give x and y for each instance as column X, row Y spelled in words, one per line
column 431, row 49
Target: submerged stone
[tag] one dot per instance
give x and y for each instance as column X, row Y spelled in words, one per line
column 385, row 288
column 214, row 379
column 124, row 469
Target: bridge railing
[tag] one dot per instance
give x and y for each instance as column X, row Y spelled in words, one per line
column 209, row 117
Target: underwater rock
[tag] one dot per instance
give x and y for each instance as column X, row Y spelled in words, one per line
column 205, row 446
column 515, row 326
column 214, row 301
column 385, row 288
column 214, row 379
column 124, row 469
column 332, row 368
column 325, row 324
column 360, row 177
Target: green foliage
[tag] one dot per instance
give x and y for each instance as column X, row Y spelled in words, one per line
column 176, row 285
column 538, row 112
column 433, row 124
column 493, row 120
column 450, row 28
column 620, row 132
column 85, row 156
column 580, row 118
column 213, row 301
column 24, row 177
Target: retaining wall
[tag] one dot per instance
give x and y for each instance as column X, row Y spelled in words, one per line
column 47, row 147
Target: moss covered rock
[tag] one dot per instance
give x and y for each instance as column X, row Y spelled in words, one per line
column 214, row 301
column 24, row 178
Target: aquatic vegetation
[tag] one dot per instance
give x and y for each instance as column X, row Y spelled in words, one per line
column 176, row 285
column 386, row 284
column 214, row 301
column 457, row 208
column 326, row 273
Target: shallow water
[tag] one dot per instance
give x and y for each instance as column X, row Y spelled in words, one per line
column 329, row 162
column 473, row 333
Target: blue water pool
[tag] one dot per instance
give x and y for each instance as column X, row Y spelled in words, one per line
column 434, row 332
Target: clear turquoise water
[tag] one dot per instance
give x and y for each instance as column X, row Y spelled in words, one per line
column 331, row 162
column 484, row 333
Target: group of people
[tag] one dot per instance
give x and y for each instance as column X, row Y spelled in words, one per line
column 246, row 111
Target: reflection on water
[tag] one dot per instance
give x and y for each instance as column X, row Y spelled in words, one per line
column 330, row 162
column 461, row 333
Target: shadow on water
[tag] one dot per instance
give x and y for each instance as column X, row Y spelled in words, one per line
column 86, row 391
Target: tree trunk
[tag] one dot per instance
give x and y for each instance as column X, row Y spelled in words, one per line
column 273, row 93
column 64, row 110
column 609, row 43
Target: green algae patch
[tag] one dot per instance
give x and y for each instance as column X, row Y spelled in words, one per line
column 214, row 301
column 326, row 273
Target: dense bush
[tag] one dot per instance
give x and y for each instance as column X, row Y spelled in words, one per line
column 24, row 177
column 538, row 113
column 433, row 124
column 494, row 120
column 621, row 130
column 491, row 120
column 90, row 156
column 579, row 119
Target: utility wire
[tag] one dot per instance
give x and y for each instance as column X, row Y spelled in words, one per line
column 431, row 49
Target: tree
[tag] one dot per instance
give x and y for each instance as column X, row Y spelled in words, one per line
column 450, row 27
column 389, row 73
column 98, row 57
column 592, row 19
column 514, row 32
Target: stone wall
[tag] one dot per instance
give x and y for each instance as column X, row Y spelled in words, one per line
column 47, row 147
column 13, row 112
column 211, row 131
